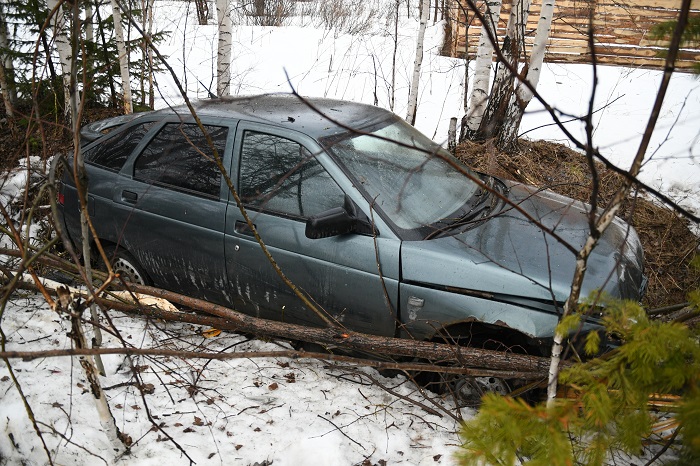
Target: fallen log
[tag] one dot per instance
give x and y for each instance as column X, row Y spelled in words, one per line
column 530, row 367
column 437, row 353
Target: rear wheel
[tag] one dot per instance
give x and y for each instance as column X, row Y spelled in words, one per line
column 129, row 269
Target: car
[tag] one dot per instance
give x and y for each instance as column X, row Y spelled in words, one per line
column 94, row 130
column 375, row 223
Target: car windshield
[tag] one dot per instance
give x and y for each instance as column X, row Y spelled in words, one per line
column 411, row 182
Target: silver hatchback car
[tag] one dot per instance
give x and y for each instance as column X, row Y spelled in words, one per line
column 378, row 225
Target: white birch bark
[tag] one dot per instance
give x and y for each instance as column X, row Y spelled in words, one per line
column 89, row 28
column 109, row 426
column 149, row 54
column 413, row 92
column 123, row 57
column 515, row 31
column 58, row 21
column 4, row 87
column 392, row 97
column 223, row 57
column 523, row 94
column 90, row 364
column 482, row 66
column 544, row 27
column 504, row 81
column 6, row 69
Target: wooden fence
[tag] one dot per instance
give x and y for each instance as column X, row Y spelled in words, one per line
column 621, row 31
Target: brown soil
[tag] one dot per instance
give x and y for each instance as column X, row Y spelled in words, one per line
column 669, row 245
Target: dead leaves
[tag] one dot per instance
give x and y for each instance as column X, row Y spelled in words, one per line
column 197, row 422
column 211, row 333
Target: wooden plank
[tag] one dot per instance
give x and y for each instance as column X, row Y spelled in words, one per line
column 581, row 14
column 641, row 23
column 632, row 40
column 681, row 66
column 649, row 16
column 615, row 56
column 667, row 4
column 599, row 33
column 620, row 29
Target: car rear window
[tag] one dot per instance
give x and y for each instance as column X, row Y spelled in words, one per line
column 180, row 158
column 113, row 152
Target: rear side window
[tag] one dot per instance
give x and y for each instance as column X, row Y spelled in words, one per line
column 113, row 152
column 280, row 175
column 179, row 157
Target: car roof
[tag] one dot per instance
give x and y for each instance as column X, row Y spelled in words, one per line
column 317, row 117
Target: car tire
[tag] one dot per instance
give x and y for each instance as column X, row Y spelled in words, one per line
column 469, row 391
column 129, row 269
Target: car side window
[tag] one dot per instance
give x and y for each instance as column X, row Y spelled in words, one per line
column 180, row 158
column 113, row 152
column 280, row 175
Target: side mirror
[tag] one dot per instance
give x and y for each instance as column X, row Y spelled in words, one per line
column 329, row 223
column 337, row 221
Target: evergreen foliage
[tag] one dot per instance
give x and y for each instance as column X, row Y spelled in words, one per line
column 691, row 34
column 37, row 73
column 608, row 407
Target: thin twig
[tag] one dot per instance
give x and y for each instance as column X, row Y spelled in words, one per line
column 341, row 431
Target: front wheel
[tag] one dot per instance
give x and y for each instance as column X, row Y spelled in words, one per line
column 468, row 391
column 129, row 269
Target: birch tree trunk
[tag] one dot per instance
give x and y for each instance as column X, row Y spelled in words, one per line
column 58, row 21
column 508, row 136
column 6, row 70
column 117, row 438
column 4, row 87
column 392, row 96
column 89, row 28
column 223, row 57
column 413, row 92
column 149, row 55
column 482, row 70
column 503, row 85
column 600, row 222
column 123, row 57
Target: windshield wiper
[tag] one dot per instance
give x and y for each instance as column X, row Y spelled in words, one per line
column 478, row 209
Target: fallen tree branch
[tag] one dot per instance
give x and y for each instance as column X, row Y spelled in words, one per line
column 432, row 351
column 501, row 364
column 283, row 354
column 532, row 367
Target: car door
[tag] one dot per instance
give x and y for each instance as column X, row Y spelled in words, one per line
column 169, row 202
column 284, row 178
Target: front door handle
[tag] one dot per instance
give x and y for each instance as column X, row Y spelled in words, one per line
column 129, row 196
column 242, row 228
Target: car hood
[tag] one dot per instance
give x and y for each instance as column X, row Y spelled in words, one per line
column 509, row 255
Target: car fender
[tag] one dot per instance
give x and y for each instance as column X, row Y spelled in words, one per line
column 425, row 311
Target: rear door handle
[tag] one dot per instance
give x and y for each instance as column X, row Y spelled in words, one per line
column 129, row 196
column 242, row 228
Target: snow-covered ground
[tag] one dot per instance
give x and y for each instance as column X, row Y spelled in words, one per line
column 303, row 412
column 241, row 411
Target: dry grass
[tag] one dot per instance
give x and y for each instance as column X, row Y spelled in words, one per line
column 669, row 244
